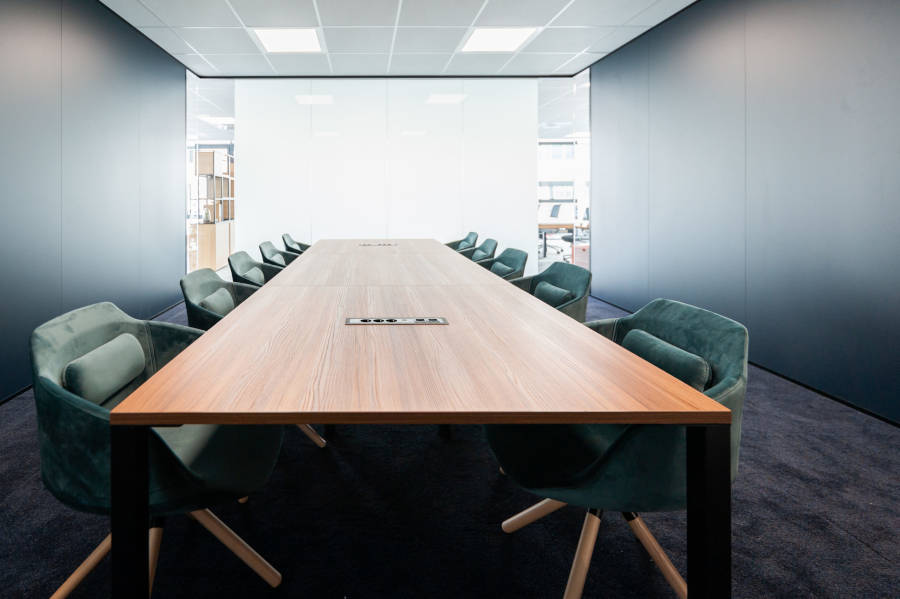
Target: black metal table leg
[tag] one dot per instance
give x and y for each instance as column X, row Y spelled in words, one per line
column 130, row 513
column 709, row 511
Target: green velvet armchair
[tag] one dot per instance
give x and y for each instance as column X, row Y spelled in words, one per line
column 84, row 363
column 293, row 246
column 485, row 251
column 466, row 242
column 563, row 286
column 509, row 265
column 208, row 298
column 274, row 256
column 630, row 468
column 245, row 269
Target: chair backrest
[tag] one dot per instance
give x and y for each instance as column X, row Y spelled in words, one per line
column 271, row 253
column 565, row 276
column 197, row 285
column 485, row 250
column 246, row 268
column 290, row 243
column 467, row 241
column 513, row 258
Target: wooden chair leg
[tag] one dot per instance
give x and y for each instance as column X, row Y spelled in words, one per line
column 84, row 569
column 312, row 434
column 243, row 500
column 657, row 553
column 238, row 546
column 582, row 561
column 155, row 541
column 532, row 514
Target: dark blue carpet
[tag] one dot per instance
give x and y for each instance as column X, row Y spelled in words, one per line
column 398, row 511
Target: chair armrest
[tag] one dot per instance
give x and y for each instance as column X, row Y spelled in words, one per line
column 242, row 291
column 576, row 308
column 289, row 257
column 199, row 317
column 467, row 252
column 169, row 340
column 270, row 270
column 606, row 327
column 487, row 262
column 523, row 283
column 452, row 244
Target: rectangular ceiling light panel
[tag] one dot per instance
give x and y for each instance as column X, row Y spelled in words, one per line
column 497, row 39
column 289, row 40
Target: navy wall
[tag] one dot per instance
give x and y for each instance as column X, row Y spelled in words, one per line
column 746, row 158
column 92, row 176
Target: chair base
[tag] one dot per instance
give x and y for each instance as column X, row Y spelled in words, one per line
column 532, row 514
column 315, row 437
column 206, row 519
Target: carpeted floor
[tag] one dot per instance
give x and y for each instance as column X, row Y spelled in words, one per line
column 398, row 511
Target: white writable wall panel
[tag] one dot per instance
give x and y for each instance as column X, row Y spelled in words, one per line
column 500, row 162
column 272, row 156
column 424, row 159
column 347, row 193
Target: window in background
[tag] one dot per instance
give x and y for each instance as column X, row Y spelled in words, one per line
column 210, row 210
column 564, row 171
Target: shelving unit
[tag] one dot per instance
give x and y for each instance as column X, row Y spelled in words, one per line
column 210, row 211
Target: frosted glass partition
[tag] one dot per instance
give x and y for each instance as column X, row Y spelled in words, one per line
column 386, row 158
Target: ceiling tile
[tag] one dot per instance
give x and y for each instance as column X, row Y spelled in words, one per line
column 519, row 13
column 439, row 12
column 276, row 13
column 359, row 39
column 300, row 64
column 353, row 12
column 193, row 13
column 480, row 63
column 418, row 64
column 133, row 12
column 195, row 63
column 240, row 64
column 218, row 40
column 601, row 13
column 428, row 39
column 567, row 39
column 659, row 12
column 167, row 39
column 616, row 39
column 535, row 64
column 580, row 63
column 359, row 64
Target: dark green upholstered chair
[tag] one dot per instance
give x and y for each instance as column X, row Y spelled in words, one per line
column 466, row 242
column 630, row 468
column 293, row 246
column 84, row 363
column 208, row 298
column 485, row 251
column 563, row 286
column 510, row 264
column 274, row 256
column 245, row 269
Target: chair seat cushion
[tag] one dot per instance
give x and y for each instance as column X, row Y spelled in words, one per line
column 98, row 374
column 256, row 275
column 498, row 268
column 480, row 255
column 219, row 301
column 689, row 368
column 277, row 259
column 463, row 245
column 551, row 294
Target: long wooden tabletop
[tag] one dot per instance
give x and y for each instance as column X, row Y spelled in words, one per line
column 285, row 355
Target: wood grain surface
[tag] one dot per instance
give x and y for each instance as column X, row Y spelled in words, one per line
column 286, row 356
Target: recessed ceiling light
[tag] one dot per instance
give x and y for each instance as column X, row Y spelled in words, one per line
column 445, row 98
column 497, row 39
column 307, row 99
column 289, row 40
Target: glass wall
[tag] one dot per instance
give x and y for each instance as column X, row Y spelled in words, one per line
column 564, row 171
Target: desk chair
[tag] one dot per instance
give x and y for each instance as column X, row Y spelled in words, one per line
column 485, row 251
column 245, row 269
column 84, row 363
column 466, row 242
column 208, row 299
column 509, row 265
column 629, row 468
column 293, row 246
column 274, row 256
column 563, row 286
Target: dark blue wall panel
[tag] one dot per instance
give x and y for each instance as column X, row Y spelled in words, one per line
column 93, row 170
column 771, row 178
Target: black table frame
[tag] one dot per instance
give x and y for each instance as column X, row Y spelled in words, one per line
column 708, row 510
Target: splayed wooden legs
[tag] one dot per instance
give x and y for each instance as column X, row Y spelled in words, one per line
column 312, row 434
column 238, row 546
column 657, row 554
column 155, row 541
column 582, row 561
column 532, row 514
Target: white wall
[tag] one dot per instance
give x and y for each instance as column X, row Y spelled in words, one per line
column 379, row 161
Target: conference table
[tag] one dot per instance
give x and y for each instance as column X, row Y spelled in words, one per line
column 287, row 355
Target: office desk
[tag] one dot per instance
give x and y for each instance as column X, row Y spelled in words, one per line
column 285, row 356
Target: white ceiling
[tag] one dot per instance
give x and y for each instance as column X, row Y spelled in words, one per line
column 391, row 37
